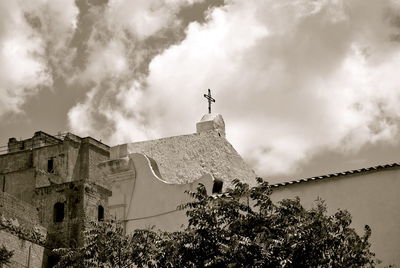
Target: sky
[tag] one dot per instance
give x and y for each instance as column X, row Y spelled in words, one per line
column 306, row 87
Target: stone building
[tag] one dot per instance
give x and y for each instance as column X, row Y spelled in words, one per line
column 51, row 185
column 148, row 179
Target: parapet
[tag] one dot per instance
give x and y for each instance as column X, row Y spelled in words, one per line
column 38, row 140
column 211, row 122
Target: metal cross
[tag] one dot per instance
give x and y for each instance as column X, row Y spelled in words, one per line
column 210, row 99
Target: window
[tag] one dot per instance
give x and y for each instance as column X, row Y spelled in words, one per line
column 52, row 260
column 100, row 213
column 58, row 212
column 217, row 187
column 50, row 165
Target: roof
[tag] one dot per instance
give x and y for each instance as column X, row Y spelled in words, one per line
column 185, row 158
column 334, row 175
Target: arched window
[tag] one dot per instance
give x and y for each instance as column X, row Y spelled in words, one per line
column 50, row 165
column 217, row 187
column 100, row 213
column 58, row 212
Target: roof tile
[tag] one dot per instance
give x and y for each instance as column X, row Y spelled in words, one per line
column 344, row 173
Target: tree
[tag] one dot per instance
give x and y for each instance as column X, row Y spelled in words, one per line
column 107, row 246
column 5, row 255
column 240, row 228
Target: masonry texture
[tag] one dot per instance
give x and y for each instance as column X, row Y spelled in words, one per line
column 184, row 159
column 26, row 253
column 48, row 184
column 21, row 232
column 51, row 186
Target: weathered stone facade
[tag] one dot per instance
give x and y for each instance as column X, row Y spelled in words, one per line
column 52, row 181
column 21, row 232
column 68, row 180
column 80, row 201
column 50, row 186
column 26, row 253
column 185, row 158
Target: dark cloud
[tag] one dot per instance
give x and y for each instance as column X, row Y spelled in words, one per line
column 292, row 78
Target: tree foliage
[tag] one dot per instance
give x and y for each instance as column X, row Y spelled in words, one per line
column 107, row 246
column 240, row 228
column 5, row 255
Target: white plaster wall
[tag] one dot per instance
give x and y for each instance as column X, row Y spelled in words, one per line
column 372, row 198
column 143, row 200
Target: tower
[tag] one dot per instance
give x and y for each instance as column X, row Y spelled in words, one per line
column 59, row 176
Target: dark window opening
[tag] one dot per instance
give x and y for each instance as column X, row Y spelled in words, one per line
column 52, row 260
column 50, row 165
column 217, row 187
column 100, row 213
column 58, row 212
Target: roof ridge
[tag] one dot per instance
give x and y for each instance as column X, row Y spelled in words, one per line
column 338, row 174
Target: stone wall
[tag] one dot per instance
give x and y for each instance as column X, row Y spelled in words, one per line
column 94, row 197
column 20, row 184
column 80, row 202
column 59, row 155
column 15, row 161
column 21, row 172
column 66, row 232
column 20, row 232
column 39, row 139
column 83, row 161
column 25, row 253
column 186, row 158
column 73, row 159
column 96, row 156
column 52, row 176
column 13, row 208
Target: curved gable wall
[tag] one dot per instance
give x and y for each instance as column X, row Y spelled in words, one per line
column 142, row 199
column 183, row 159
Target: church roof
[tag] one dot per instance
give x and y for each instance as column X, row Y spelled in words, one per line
column 334, row 175
column 185, row 158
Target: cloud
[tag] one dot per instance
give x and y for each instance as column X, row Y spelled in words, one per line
column 296, row 77
column 24, row 28
column 292, row 78
column 117, row 41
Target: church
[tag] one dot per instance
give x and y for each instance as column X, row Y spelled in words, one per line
column 52, row 184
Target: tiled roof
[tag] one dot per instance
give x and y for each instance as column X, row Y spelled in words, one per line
column 340, row 174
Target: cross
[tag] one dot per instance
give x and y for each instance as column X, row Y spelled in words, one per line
column 210, row 99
